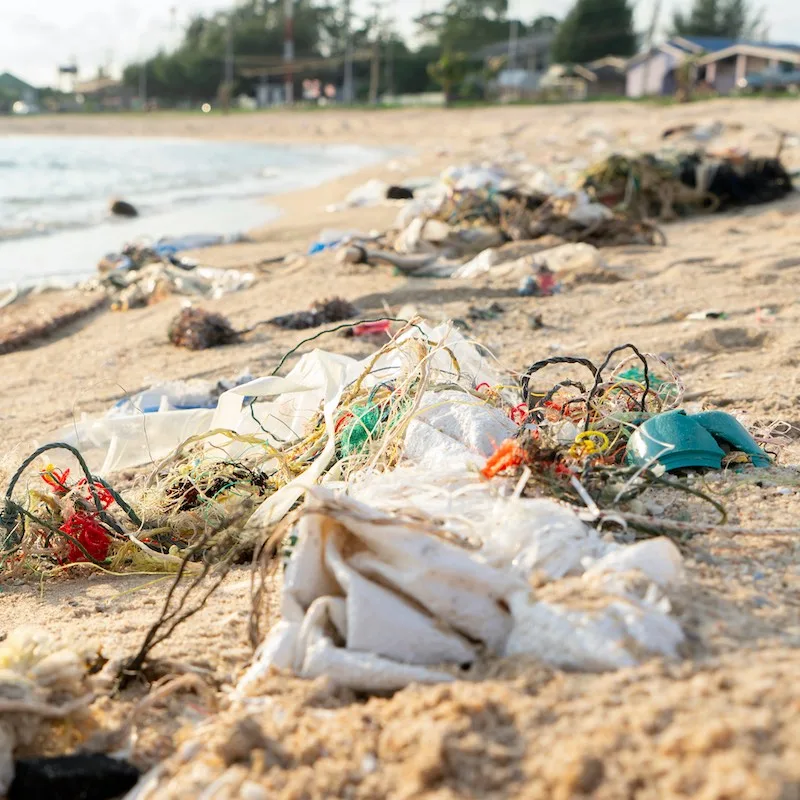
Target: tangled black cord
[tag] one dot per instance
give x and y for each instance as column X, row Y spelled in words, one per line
column 540, row 365
column 536, row 401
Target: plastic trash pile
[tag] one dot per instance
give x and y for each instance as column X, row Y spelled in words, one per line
column 667, row 185
column 422, row 447
column 140, row 275
column 471, row 210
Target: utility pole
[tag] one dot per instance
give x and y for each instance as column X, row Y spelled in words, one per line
column 375, row 65
column 650, row 36
column 513, row 36
column 143, row 84
column 390, row 64
column 348, row 92
column 513, row 44
column 389, row 55
column 228, row 75
column 375, row 72
column 288, row 51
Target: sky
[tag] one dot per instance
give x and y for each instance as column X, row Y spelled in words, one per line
column 35, row 38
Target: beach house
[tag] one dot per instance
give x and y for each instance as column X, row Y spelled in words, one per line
column 721, row 63
column 727, row 69
column 14, row 90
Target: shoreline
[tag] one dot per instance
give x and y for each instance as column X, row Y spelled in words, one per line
column 70, row 254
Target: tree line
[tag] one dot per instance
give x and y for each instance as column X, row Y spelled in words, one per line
column 445, row 53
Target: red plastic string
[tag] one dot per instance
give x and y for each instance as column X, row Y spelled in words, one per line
column 478, row 387
column 340, row 424
column 519, row 413
column 56, row 479
column 90, row 533
column 103, row 495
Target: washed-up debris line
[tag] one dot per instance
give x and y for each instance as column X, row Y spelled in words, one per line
column 473, row 211
column 22, row 326
column 665, row 186
column 573, row 437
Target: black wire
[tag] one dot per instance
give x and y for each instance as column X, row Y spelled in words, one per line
column 539, row 365
column 599, row 377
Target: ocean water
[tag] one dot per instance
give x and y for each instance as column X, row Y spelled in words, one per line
column 55, row 192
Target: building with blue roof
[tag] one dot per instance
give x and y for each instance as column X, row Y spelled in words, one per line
column 723, row 63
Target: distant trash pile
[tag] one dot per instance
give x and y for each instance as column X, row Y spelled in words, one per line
column 142, row 275
column 474, row 212
column 471, row 213
column 664, row 187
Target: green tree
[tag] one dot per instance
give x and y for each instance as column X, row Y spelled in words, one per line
column 593, row 29
column 467, row 25
column 544, row 24
column 195, row 69
column 449, row 71
column 732, row 19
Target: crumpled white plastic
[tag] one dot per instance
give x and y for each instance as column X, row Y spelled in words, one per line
column 373, row 601
column 452, row 425
column 337, row 623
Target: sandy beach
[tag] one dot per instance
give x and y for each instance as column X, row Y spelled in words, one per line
column 725, row 722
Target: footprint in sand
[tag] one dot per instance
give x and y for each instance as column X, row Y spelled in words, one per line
column 718, row 340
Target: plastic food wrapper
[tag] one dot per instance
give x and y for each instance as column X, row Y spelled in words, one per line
column 564, row 258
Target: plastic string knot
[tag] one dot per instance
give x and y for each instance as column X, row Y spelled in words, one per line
column 86, row 530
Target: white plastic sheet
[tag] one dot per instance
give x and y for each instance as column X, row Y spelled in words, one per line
column 376, row 596
column 283, row 409
column 374, row 603
column 109, row 444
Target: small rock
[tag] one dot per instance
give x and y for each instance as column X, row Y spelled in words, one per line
column 122, row 208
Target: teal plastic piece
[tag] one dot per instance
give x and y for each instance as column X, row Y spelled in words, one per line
column 675, row 441
column 680, row 441
column 728, row 430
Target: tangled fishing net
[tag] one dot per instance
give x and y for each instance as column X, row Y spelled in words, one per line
column 201, row 498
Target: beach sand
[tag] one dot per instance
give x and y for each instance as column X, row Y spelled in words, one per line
column 723, row 724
